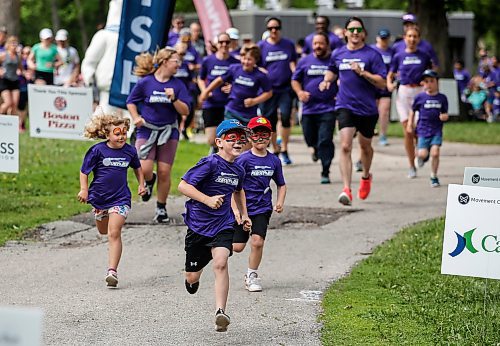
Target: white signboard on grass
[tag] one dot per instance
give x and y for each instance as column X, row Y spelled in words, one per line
column 471, row 244
column 20, row 326
column 57, row 112
column 9, row 144
column 482, row 176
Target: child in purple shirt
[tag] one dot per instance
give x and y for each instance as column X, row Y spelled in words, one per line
column 211, row 185
column 432, row 108
column 109, row 194
column 260, row 168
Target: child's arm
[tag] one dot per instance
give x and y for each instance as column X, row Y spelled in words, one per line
column 444, row 116
column 280, row 199
column 140, row 178
column 236, row 211
column 409, row 124
column 192, row 192
column 241, row 204
column 83, row 195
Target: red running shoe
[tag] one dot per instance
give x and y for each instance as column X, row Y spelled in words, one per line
column 365, row 186
column 345, row 196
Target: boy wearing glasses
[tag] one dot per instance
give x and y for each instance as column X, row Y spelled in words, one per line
column 260, row 168
column 278, row 57
column 210, row 185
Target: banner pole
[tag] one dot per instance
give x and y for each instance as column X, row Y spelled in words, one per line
column 484, row 300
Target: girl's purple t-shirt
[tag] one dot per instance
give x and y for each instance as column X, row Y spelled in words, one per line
column 245, row 85
column 410, row 66
column 156, row 108
column 109, row 166
column 276, row 58
column 211, row 68
column 259, row 171
column 429, row 107
column 423, row 46
column 355, row 92
column 310, row 73
column 186, row 76
column 212, row 175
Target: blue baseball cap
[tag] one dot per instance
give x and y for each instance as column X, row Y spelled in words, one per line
column 228, row 125
column 384, row 33
column 429, row 73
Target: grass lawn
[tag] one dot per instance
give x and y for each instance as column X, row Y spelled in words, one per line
column 397, row 296
column 466, row 132
column 46, row 187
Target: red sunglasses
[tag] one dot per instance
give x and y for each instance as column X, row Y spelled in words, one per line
column 235, row 137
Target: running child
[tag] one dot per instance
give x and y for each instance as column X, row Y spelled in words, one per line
column 109, row 194
column 432, row 108
column 210, row 185
column 260, row 168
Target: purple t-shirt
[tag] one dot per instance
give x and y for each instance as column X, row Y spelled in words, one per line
column 245, row 85
column 156, row 108
column 172, row 38
column 109, row 166
column 310, row 73
column 211, row 68
column 355, row 92
column 429, row 107
column 423, row 45
column 192, row 56
column 335, row 42
column 410, row 66
column 387, row 57
column 212, row 175
column 186, row 76
column 462, row 77
column 276, row 58
column 258, row 174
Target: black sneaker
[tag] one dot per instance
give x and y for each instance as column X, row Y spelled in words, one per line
column 221, row 321
column 161, row 215
column 149, row 188
column 192, row 288
column 314, row 155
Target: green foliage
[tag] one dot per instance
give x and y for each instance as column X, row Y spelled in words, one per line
column 46, row 187
column 397, row 296
column 466, row 132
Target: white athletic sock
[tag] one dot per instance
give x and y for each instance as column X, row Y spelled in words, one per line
column 250, row 271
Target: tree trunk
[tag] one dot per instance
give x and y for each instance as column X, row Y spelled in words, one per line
column 10, row 15
column 433, row 25
column 56, row 21
column 81, row 24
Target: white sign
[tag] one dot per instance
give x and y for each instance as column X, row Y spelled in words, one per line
column 480, row 176
column 471, row 244
column 58, row 112
column 9, row 144
column 20, row 326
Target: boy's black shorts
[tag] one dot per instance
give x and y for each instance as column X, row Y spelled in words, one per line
column 260, row 222
column 199, row 248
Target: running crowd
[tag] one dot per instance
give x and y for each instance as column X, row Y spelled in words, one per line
column 248, row 94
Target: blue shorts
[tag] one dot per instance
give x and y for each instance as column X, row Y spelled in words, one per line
column 428, row 142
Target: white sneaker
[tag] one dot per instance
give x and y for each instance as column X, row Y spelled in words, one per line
column 111, row 279
column 412, row 173
column 252, row 283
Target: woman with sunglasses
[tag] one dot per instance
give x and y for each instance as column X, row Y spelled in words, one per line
column 279, row 59
column 249, row 86
column 409, row 65
column 361, row 72
column 162, row 98
column 214, row 66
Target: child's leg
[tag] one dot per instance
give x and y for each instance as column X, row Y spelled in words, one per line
column 423, row 153
column 257, row 248
column 102, row 225
column 193, row 277
column 435, row 159
column 115, row 225
column 220, row 256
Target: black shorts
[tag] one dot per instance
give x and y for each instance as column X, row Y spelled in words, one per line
column 212, row 117
column 48, row 77
column 259, row 226
column 23, row 100
column 7, row 84
column 363, row 124
column 199, row 248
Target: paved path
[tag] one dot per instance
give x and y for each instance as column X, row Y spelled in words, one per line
column 309, row 249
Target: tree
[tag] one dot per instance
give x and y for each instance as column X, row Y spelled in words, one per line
column 9, row 15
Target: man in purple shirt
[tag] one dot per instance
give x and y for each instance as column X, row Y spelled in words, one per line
column 318, row 112
column 173, row 34
column 410, row 21
column 322, row 24
column 278, row 57
column 361, row 72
